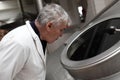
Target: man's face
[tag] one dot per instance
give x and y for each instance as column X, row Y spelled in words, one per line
column 55, row 32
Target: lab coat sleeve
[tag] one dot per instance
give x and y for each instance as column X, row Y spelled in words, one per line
column 12, row 59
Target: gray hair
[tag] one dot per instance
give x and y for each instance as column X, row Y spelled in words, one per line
column 53, row 13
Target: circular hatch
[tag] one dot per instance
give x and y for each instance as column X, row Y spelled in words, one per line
column 95, row 53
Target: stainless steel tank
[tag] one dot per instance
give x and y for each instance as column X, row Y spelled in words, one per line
column 94, row 52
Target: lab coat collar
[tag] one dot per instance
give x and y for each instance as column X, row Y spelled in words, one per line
column 37, row 43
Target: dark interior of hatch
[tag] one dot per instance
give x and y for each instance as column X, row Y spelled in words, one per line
column 95, row 40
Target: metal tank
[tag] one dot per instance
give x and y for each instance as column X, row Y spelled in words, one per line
column 94, row 52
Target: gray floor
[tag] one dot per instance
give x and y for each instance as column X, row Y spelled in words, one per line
column 55, row 71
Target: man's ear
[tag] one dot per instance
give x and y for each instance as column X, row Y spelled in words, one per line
column 37, row 23
column 48, row 26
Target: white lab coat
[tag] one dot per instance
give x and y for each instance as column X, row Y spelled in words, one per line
column 21, row 55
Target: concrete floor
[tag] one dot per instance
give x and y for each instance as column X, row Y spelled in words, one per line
column 55, row 71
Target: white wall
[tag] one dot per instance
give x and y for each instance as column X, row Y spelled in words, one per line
column 107, row 2
column 8, row 10
column 8, row 14
column 101, row 4
column 5, row 5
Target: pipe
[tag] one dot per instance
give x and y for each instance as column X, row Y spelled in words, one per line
column 39, row 4
column 21, row 8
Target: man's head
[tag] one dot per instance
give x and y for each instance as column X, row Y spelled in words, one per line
column 51, row 22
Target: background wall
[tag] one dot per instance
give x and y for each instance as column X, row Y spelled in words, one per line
column 8, row 10
column 11, row 10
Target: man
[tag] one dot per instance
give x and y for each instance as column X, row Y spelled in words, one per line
column 22, row 50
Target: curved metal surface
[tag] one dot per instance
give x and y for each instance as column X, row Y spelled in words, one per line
column 104, row 64
column 93, row 53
